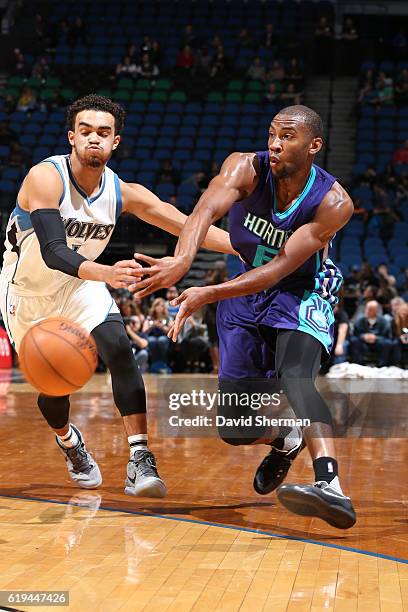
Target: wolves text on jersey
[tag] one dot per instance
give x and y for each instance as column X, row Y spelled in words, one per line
column 86, row 230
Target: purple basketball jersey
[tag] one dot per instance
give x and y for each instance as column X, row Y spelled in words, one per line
column 258, row 230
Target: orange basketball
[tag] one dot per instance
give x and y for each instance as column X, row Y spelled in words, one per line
column 57, row 356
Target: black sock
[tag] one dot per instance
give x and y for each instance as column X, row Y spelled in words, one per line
column 325, row 468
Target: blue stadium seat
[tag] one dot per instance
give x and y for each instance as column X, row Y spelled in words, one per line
column 187, row 189
column 11, row 174
column 151, row 165
column 165, row 190
column 8, row 186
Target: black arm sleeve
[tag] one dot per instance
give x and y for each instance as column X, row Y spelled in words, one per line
column 49, row 228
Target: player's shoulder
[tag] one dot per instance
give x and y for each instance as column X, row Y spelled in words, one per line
column 337, row 202
column 44, row 171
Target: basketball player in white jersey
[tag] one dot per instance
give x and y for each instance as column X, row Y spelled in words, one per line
column 65, row 213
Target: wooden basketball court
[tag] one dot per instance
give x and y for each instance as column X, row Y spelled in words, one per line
column 213, row 543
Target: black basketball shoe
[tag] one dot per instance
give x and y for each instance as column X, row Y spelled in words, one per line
column 320, row 500
column 274, row 468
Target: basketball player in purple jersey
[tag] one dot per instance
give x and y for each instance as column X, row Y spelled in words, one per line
column 283, row 213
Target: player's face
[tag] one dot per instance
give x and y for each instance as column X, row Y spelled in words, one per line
column 290, row 145
column 94, row 138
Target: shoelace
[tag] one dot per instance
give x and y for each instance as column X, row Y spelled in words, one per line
column 145, row 464
column 79, row 458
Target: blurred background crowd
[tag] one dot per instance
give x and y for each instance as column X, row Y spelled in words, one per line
column 202, row 88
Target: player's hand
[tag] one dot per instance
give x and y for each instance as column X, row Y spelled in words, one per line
column 123, row 273
column 162, row 273
column 190, row 301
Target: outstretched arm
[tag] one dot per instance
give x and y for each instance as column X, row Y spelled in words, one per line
column 333, row 213
column 235, row 180
column 39, row 195
column 144, row 204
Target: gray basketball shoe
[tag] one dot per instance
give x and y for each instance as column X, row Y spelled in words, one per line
column 143, row 479
column 82, row 467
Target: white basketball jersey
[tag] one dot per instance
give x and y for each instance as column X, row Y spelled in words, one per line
column 89, row 223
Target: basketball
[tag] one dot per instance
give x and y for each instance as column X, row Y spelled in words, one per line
column 58, row 356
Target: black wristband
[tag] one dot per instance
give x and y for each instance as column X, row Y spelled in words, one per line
column 50, row 231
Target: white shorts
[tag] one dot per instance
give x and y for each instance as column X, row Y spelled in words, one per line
column 86, row 302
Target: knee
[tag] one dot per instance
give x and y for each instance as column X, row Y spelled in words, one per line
column 118, row 353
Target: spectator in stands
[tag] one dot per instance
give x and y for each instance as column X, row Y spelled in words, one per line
column 171, row 294
column 185, row 61
column 217, row 276
column 204, row 61
column 213, row 171
column 146, row 69
column 41, row 68
column 367, row 275
column 272, row 94
column 62, row 33
column 147, row 45
column 369, row 176
column 78, row 33
column 323, row 37
column 156, row 53
column 400, row 45
column 218, row 68
column 384, row 92
column 294, row 73
column 371, row 337
column 138, row 341
column 188, row 38
column 401, row 88
column 359, row 211
column 18, row 158
column 198, row 179
column 386, row 293
column 126, row 67
column 290, row 96
column 395, row 305
column 383, row 214
column 19, row 66
column 350, row 44
column 340, row 352
column 276, row 72
column 400, row 155
column 383, row 273
column 269, row 38
column 7, row 135
column 132, row 52
column 245, row 39
column 168, row 173
column 217, row 43
column 399, row 329
column 156, row 327
column 194, row 344
column 369, row 294
column 256, row 70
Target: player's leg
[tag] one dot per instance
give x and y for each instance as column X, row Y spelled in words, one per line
column 130, row 398
column 82, row 467
column 244, row 364
column 19, row 314
column 298, row 356
column 90, row 304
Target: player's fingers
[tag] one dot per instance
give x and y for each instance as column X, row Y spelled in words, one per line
column 130, row 263
column 179, row 299
column 145, row 258
column 151, row 271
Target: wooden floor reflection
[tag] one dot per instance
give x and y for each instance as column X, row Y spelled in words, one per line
column 120, row 560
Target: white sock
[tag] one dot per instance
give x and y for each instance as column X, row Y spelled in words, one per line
column 70, row 439
column 291, row 440
column 335, row 484
column 137, row 442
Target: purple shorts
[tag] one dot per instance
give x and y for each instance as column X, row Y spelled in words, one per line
column 243, row 352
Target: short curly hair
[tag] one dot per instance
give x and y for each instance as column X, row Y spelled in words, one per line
column 99, row 103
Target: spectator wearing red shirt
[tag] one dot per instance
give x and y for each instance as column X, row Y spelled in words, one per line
column 401, row 155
